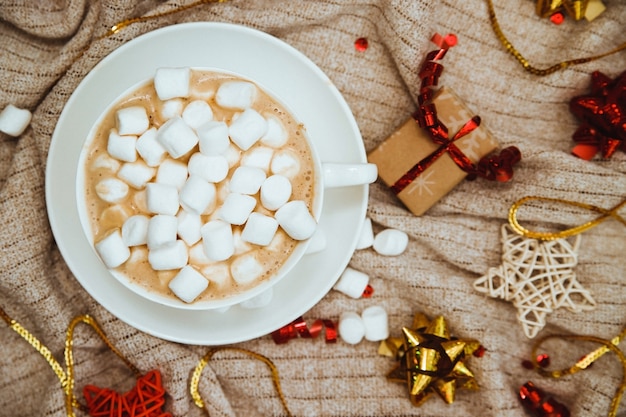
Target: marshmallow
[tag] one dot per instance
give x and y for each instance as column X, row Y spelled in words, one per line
column 295, row 219
column 275, row 191
column 14, row 121
column 285, row 163
column 197, row 195
column 391, row 242
column 188, row 284
column 276, row 135
column 213, row 137
column 105, row 161
column 197, row 113
column 232, row 155
column 172, row 82
column 245, row 269
column 317, row 243
column 136, row 174
column 247, row 129
column 135, row 230
column 112, row 190
column 259, row 229
column 217, row 240
column 162, row 230
column 162, row 198
column 218, row 274
column 189, row 225
column 241, row 246
column 351, row 328
column 171, row 256
column 172, row 108
column 149, row 148
column 366, row 235
column 236, row 94
column 247, row 180
column 352, row 283
column 212, row 168
column 177, row 137
column 132, row 120
column 197, row 255
column 376, row 323
column 112, row 250
column 236, row 208
column 258, row 157
column 173, row 173
column 139, row 201
column 122, row 147
column 259, row 301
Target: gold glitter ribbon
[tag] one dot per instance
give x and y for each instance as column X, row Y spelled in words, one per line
column 197, row 373
column 587, row 360
column 66, row 377
column 524, row 62
column 604, row 215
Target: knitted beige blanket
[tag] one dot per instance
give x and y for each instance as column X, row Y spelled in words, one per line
column 47, row 47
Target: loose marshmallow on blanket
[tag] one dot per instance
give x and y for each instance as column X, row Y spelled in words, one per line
column 132, row 120
column 14, row 121
column 188, row 284
column 390, row 242
column 197, row 113
column 366, row 235
column 259, row 301
column 162, row 198
column 162, row 230
column 259, row 229
column 258, row 157
column 275, row 191
column 149, row 148
column 217, row 240
column 247, row 180
column 285, row 163
column 197, row 195
column 318, row 242
column 136, row 174
column 376, row 323
column 172, row 172
column 213, row 138
column 236, row 208
column 171, row 256
column 172, row 82
column 295, row 219
column 351, row 328
column 211, row 168
column 189, row 225
column 112, row 250
column 112, row 190
column 245, row 269
column 236, row 94
column 172, row 108
column 135, row 230
column 276, row 135
column 177, row 137
column 247, row 129
column 121, row 147
column 104, row 161
column 352, row 282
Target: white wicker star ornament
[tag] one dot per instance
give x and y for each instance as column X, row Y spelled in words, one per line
column 537, row 277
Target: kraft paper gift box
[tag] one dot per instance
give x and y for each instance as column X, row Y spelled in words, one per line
column 410, row 144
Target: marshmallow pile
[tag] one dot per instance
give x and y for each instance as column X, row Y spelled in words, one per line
column 207, row 190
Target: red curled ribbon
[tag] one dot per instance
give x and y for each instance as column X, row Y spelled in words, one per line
column 495, row 168
column 603, row 116
column 299, row 327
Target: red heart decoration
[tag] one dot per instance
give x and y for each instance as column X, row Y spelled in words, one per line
column 146, row 399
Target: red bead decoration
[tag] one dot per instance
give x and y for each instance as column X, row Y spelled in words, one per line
column 361, row 44
column 557, row 18
column 480, row 352
column 543, row 360
column 540, row 404
column 368, row 291
column 146, row 399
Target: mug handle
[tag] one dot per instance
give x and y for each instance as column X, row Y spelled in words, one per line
column 348, row 174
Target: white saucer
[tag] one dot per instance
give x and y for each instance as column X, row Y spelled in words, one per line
column 277, row 67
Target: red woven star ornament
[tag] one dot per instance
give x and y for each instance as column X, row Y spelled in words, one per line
column 603, row 116
column 146, row 399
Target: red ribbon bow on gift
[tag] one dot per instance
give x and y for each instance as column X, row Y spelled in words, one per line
column 603, row 113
